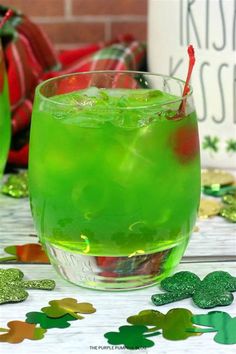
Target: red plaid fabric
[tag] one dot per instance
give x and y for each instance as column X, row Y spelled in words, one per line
column 31, row 58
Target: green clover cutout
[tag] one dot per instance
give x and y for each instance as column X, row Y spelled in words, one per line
column 174, row 324
column 59, row 308
column 231, row 145
column 47, row 322
column 214, row 290
column 210, row 143
column 132, row 337
column 12, row 285
column 220, row 322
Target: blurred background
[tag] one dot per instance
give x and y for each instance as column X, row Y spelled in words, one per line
column 81, row 29
column 71, row 23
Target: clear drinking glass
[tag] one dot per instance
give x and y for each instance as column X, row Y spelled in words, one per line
column 114, row 176
column 5, row 124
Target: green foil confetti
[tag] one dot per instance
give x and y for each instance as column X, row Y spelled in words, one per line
column 214, row 290
column 12, row 285
column 16, row 186
column 47, row 322
column 174, row 324
column 229, row 212
column 217, row 190
column 132, row 337
column 19, row 331
column 147, row 318
column 69, row 306
column 220, row 322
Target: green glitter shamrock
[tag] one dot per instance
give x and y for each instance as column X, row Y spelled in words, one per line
column 174, row 324
column 214, row 290
column 132, row 337
column 47, row 322
column 221, row 322
column 229, row 212
column 231, row 145
column 210, row 143
column 69, row 306
column 230, row 197
column 16, row 186
column 12, row 287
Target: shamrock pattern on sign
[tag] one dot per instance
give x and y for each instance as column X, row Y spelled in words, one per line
column 231, row 145
column 210, row 143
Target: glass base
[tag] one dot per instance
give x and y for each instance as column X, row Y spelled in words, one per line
column 111, row 273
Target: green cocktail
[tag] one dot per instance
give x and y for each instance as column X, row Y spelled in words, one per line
column 114, row 177
column 4, row 115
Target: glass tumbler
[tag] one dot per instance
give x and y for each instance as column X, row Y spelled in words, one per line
column 114, row 176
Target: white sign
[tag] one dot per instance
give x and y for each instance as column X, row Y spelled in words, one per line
column 210, row 26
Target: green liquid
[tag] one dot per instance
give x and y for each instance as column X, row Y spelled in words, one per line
column 5, row 127
column 108, row 180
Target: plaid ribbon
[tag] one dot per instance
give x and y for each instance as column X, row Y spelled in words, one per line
column 31, row 58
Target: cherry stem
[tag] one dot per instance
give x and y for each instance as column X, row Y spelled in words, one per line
column 6, row 17
column 190, row 69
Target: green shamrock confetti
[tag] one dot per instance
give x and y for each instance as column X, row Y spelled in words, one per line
column 147, row 318
column 59, row 308
column 47, row 322
column 216, row 190
column 174, row 324
column 220, row 322
column 16, row 185
column 214, row 290
column 12, row 285
column 132, row 337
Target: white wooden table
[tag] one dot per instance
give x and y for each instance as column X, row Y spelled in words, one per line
column 213, row 247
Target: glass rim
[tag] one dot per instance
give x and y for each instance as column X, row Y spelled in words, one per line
column 133, row 72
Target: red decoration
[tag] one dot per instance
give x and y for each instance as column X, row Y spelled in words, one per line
column 186, row 143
